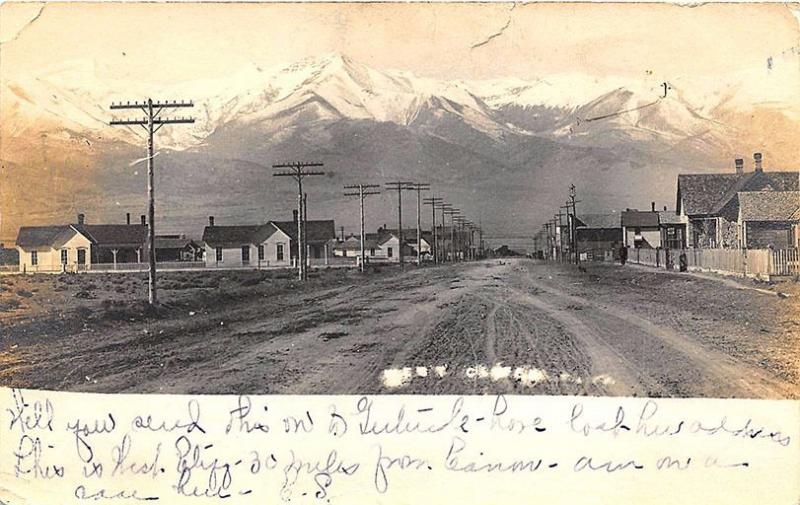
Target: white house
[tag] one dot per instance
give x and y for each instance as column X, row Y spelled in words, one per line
column 53, row 249
column 265, row 245
column 235, row 246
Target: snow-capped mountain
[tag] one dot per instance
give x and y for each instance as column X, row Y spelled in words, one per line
column 333, row 87
column 519, row 140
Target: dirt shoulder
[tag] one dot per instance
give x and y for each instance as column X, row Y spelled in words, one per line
column 514, row 326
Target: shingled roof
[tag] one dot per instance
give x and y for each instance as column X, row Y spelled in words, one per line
column 639, row 219
column 236, row 235
column 769, row 205
column 168, row 242
column 669, row 217
column 316, row 231
column 605, row 221
column 115, row 235
column 706, row 194
column 103, row 235
column 41, row 236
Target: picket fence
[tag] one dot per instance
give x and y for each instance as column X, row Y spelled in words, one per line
column 758, row 263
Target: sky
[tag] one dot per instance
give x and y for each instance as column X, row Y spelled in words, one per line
column 710, row 51
column 701, row 48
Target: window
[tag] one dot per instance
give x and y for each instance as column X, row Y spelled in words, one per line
column 64, row 256
column 245, row 254
column 219, row 254
column 34, row 258
column 372, row 252
column 261, row 253
column 389, row 252
column 279, row 252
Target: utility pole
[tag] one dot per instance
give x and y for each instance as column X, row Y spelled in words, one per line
column 297, row 171
column 361, row 194
column 453, row 213
column 304, row 218
column 461, row 237
column 573, row 225
column 419, row 187
column 399, row 186
column 568, row 208
column 480, row 237
column 151, row 123
column 444, row 207
column 559, row 217
column 549, row 251
column 433, row 202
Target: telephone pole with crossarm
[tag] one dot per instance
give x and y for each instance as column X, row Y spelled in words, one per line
column 151, row 123
column 361, row 194
column 297, row 171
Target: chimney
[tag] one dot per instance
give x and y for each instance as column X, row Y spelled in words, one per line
column 652, row 206
column 757, row 160
column 294, row 215
column 144, row 220
column 210, row 220
column 739, row 165
column 81, row 219
column 128, row 218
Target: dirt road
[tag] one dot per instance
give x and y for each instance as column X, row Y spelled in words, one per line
column 513, row 326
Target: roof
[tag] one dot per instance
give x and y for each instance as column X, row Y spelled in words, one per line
column 598, row 221
column 40, row 236
column 173, row 242
column 351, row 243
column 708, row 193
column 115, row 235
column 769, row 205
column 669, row 217
column 234, row 236
column 379, row 238
column 639, row 219
column 104, row 235
column 316, row 231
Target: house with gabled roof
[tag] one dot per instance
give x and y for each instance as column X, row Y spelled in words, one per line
column 641, row 229
column 597, row 233
column 53, row 248
column 177, row 248
column 709, row 203
column 769, row 219
column 73, row 247
column 265, row 245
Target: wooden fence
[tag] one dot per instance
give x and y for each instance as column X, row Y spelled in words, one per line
column 759, row 263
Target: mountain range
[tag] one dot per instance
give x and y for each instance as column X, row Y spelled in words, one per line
column 503, row 150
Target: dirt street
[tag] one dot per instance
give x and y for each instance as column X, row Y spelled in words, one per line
column 511, row 326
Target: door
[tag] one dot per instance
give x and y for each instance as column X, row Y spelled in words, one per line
column 245, row 255
column 81, row 257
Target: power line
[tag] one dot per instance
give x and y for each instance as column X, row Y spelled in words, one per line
column 297, row 171
column 419, row 188
column 361, row 194
column 433, row 202
column 151, row 123
column 399, row 186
